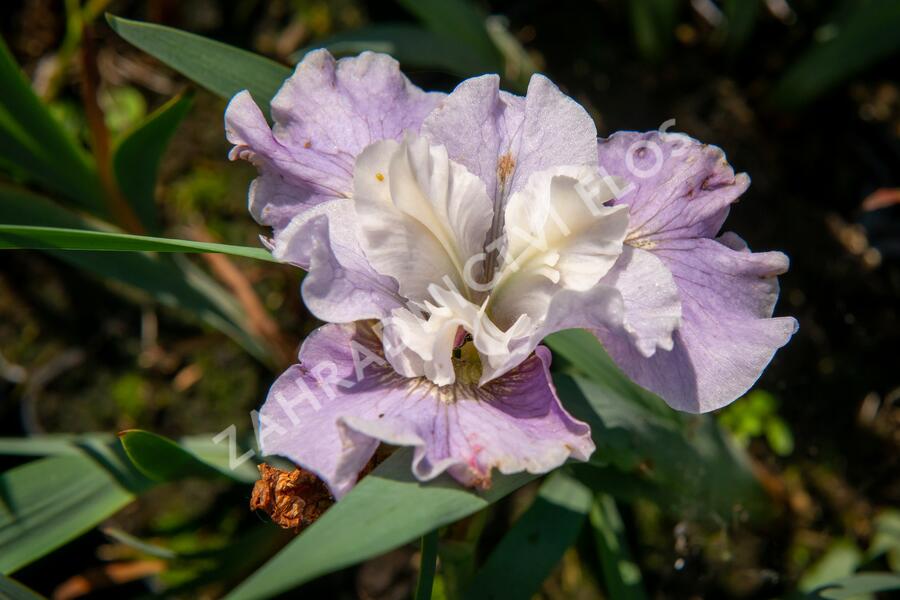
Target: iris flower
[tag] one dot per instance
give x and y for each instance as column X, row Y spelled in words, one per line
column 444, row 236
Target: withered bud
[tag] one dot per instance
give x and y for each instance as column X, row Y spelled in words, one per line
column 293, row 500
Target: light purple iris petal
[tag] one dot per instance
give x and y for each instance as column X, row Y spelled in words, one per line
column 324, row 114
column 329, row 413
column 726, row 338
column 496, row 133
column 340, row 286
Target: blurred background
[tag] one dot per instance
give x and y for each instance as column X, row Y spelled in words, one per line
column 802, row 95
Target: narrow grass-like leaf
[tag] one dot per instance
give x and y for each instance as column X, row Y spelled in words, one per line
column 37, row 145
column 620, row 573
column 13, row 590
column 45, row 503
column 527, row 554
column 162, row 459
column 867, row 34
column 653, row 26
column 220, row 68
column 137, row 156
column 184, row 287
column 427, row 566
column 458, row 20
column 409, row 44
column 388, row 508
column 28, row 237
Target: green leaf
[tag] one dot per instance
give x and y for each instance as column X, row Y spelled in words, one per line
column 137, row 156
column 162, row 459
column 867, row 35
column 29, row 237
column 36, row 144
column 409, row 44
column 527, row 554
column 13, row 590
column 47, row 502
column 860, row 585
column 222, row 69
column 620, row 573
column 653, row 26
column 740, row 19
column 840, row 561
column 180, row 286
column 427, row 565
column 646, row 450
column 388, row 508
column 459, row 21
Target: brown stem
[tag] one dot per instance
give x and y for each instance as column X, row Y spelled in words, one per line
column 118, row 207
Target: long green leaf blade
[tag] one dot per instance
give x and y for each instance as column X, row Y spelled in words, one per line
column 136, row 158
column 385, row 510
column 52, row 500
column 527, row 554
column 162, row 459
column 13, row 590
column 182, row 287
column 32, row 140
column 29, row 237
column 620, row 573
column 222, row 69
column 458, row 20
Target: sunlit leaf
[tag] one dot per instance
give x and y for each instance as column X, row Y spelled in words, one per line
column 136, row 158
column 162, row 459
column 37, row 145
column 47, row 502
column 27, row 237
column 220, row 68
column 534, row 545
column 620, row 573
column 388, row 508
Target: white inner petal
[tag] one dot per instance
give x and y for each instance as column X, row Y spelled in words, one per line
column 424, row 220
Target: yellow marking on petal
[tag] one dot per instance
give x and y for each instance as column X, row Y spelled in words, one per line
column 379, row 176
column 505, row 167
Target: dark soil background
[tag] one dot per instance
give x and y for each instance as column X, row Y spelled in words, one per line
column 92, row 360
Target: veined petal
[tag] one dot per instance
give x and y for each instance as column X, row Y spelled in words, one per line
column 329, row 413
column 651, row 300
column 340, row 286
column 503, row 138
column 324, row 114
column 559, row 236
column 677, row 187
column 421, row 215
column 726, row 337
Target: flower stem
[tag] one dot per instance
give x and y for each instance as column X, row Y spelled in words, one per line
column 427, row 566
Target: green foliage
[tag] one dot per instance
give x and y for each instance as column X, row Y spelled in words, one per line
column 25, row 237
column 35, row 143
column 620, row 572
column 52, row 500
column 220, row 68
column 653, row 25
column 863, row 33
column 161, row 459
column 536, row 542
column 682, row 462
column 756, row 415
column 13, row 590
column 389, row 507
column 136, row 158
